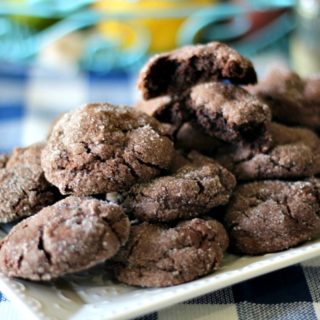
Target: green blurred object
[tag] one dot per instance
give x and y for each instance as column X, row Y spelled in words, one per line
column 26, row 17
column 29, row 27
column 305, row 42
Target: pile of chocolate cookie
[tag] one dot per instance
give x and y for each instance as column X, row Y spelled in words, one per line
column 151, row 191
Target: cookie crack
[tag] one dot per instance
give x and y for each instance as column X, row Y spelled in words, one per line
column 150, row 165
column 42, row 248
column 200, row 186
column 19, row 263
column 88, row 150
column 132, row 247
column 113, row 229
column 131, row 169
column 296, row 220
column 288, row 209
column 203, row 237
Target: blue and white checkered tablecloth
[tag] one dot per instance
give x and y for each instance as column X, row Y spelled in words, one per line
column 27, row 106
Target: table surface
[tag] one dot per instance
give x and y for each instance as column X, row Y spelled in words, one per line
column 28, row 103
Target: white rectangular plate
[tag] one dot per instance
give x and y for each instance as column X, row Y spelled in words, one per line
column 90, row 295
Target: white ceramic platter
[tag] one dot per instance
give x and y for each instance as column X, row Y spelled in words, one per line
column 91, row 295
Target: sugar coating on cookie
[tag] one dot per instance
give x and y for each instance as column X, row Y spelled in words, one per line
column 295, row 153
column 292, row 99
column 182, row 68
column 160, row 256
column 270, row 216
column 24, row 189
column 72, row 235
column 102, row 148
column 192, row 191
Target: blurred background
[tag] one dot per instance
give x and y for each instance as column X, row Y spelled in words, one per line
column 56, row 55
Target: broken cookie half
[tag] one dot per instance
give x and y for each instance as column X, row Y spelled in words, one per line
column 175, row 71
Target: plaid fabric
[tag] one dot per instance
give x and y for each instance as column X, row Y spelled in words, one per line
column 29, row 101
column 290, row 293
column 27, row 106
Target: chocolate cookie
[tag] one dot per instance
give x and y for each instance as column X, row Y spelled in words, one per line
column 269, row 216
column 160, row 256
column 26, row 156
column 23, row 187
column 175, row 71
column 293, row 100
column 72, row 235
column 192, row 191
column 230, row 113
column 295, row 153
column 224, row 111
column 102, row 148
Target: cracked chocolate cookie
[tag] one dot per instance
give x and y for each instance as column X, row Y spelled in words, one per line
column 230, row 113
column 23, row 187
column 295, row 153
column 160, row 256
column 270, row 216
column 293, row 100
column 223, row 111
column 192, row 191
column 72, row 235
column 102, row 148
column 175, row 71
